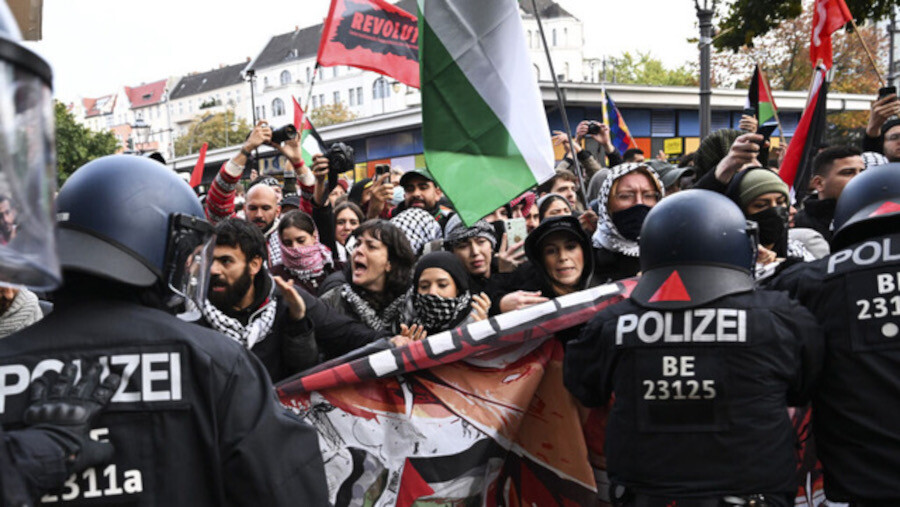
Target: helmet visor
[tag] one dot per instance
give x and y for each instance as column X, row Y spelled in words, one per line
column 27, row 181
column 189, row 257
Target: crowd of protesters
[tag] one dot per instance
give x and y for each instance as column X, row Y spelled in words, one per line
column 306, row 269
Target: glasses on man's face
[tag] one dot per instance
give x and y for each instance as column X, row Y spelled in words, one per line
column 892, row 137
column 632, row 197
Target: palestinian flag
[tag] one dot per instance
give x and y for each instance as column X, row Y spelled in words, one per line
column 760, row 99
column 796, row 169
column 310, row 142
column 484, row 127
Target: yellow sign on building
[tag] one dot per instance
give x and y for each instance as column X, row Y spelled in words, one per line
column 673, row 146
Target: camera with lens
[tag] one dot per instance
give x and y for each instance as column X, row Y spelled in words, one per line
column 285, row 133
column 593, row 128
column 340, row 158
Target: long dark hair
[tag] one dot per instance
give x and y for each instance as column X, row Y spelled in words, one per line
column 400, row 254
column 350, row 205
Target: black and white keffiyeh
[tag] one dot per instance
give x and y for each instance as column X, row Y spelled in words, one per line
column 274, row 246
column 256, row 330
column 380, row 321
column 419, row 227
column 456, row 232
column 607, row 236
column 436, row 313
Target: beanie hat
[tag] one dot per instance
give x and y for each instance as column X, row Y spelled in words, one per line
column 713, row 149
column 456, row 231
column 449, row 263
column 888, row 125
column 758, row 182
column 356, row 191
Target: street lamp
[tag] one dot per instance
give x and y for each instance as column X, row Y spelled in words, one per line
column 382, row 84
column 705, row 11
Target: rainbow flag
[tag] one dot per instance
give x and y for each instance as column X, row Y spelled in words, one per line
column 621, row 136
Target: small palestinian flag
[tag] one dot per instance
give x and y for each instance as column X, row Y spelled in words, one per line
column 760, row 100
column 310, row 141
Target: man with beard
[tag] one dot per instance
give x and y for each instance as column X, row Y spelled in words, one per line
column 242, row 302
column 421, row 191
column 7, row 219
column 281, row 326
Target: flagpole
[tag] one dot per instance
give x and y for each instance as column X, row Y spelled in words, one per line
column 868, row 53
column 765, row 81
column 311, row 83
column 562, row 105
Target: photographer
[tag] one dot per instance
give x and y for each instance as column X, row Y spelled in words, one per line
column 219, row 203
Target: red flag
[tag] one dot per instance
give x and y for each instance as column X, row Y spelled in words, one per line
column 372, row 35
column 197, row 175
column 828, row 17
column 796, row 168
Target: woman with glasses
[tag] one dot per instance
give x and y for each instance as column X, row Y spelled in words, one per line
column 627, row 195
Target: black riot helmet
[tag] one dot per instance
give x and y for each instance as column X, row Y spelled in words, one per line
column 868, row 206
column 27, row 163
column 131, row 220
column 696, row 246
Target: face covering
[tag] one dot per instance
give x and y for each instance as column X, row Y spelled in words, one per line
column 436, row 313
column 399, row 193
column 629, row 221
column 772, row 224
column 308, row 261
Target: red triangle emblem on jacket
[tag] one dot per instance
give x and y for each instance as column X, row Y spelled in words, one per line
column 884, row 209
column 671, row 290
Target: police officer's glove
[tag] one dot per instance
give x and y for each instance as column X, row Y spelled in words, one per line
column 66, row 411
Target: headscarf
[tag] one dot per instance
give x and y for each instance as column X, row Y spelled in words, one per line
column 419, row 227
column 456, row 232
column 436, row 313
column 528, row 198
column 546, row 200
column 607, row 236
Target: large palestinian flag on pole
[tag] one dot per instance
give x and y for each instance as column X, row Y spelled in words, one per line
column 796, row 168
column 484, row 126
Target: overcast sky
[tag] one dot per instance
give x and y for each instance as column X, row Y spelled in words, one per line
column 96, row 46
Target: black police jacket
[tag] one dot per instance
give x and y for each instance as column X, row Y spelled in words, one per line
column 701, row 394
column 855, row 295
column 195, row 421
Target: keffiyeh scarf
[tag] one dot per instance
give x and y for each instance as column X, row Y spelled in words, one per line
column 607, row 236
column 436, row 313
column 379, row 321
column 256, row 330
column 419, row 227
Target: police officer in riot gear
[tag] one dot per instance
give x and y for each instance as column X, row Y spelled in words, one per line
column 702, row 365
column 195, row 420
column 855, row 294
column 56, row 441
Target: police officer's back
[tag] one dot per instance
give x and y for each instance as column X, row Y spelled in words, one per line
column 855, row 294
column 195, row 420
column 701, row 365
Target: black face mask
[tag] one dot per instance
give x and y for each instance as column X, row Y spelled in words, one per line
column 629, row 221
column 772, row 224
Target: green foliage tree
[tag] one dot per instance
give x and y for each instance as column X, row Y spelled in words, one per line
column 77, row 145
column 643, row 68
column 747, row 19
column 218, row 130
column 331, row 114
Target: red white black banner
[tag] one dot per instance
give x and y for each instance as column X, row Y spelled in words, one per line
column 372, row 35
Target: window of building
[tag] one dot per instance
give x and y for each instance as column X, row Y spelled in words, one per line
column 334, row 71
column 554, row 37
column 381, row 89
column 308, row 74
column 565, row 40
column 277, row 107
column 285, row 77
column 352, row 93
column 662, row 123
column 315, row 102
column 265, row 82
column 337, row 97
column 359, row 96
column 321, row 99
